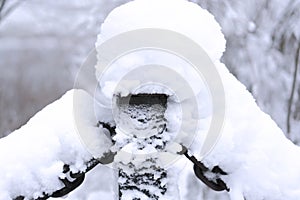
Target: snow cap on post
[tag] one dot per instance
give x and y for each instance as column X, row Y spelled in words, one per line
column 165, row 47
column 179, row 16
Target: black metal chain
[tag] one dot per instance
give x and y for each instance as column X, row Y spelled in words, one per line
column 200, row 169
column 69, row 185
column 77, row 178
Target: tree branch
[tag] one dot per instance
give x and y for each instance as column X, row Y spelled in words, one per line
column 293, row 90
column 2, row 6
column 6, row 12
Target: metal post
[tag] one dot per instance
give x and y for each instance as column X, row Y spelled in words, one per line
column 142, row 118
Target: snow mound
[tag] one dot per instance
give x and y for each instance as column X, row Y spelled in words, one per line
column 262, row 163
column 179, row 80
column 180, row 16
column 177, row 15
column 33, row 156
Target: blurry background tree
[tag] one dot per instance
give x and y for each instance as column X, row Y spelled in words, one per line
column 43, row 43
column 263, row 39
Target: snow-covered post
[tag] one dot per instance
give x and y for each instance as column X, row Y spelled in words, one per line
column 140, row 59
column 252, row 150
column 141, row 118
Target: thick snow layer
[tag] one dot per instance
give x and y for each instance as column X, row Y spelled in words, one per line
column 179, row 15
column 32, row 157
column 261, row 162
column 178, row 79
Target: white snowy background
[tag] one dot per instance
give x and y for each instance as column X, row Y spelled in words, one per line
column 42, row 43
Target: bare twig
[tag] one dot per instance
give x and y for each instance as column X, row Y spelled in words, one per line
column 287, row 14
column 293, row 90
column 2, row 3
column 6, row 12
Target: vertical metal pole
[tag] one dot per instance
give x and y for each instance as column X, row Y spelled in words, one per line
column 143, row 179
